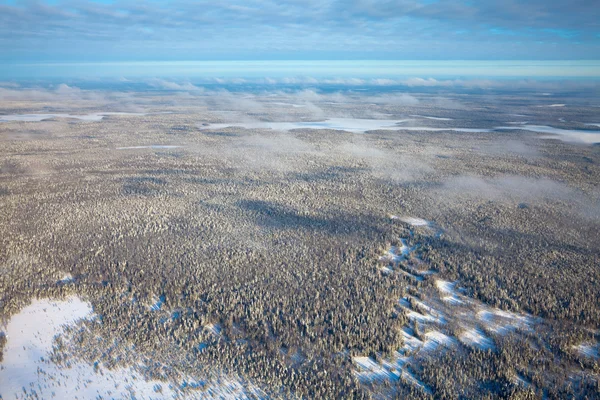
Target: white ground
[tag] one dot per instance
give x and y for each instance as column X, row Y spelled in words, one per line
column 153, row 146
column 433, row 118
column 289, row 105
column 363, row 125
column 430, row 129
column 568, row 135
column 41, row 117
column 28, row 372
column 476, row 338
column 344, row 124
column 589, row 350
column 66, row 278
column 412, row 220
column 449, row 292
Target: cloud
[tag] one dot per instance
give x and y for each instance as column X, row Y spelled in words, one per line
column 185, row 29
column 61, row 92
column 519, row 189
column 384, row 164
column 397, row 99
column 170, row 85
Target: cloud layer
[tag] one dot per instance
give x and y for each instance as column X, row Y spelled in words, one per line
column 324, row 29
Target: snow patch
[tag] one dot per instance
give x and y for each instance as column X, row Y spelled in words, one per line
column 476, row 338
column 368, row 370
column 433, row 118
column 588, row 350
column 157, row 303
column 503, row 322
column 412, row 220
column 67, row 278
column 520, row 380
column 569, row 135
column 411, row 342
column 153, row 146
column 386, row 270
column 215, row 329
column 436, row 338
column 289, row 105
column 41, row 117
column 355, row 125
column 448, row 289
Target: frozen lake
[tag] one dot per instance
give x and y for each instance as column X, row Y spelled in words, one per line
column 342, row 124
column 358, row 125
column 41, row 117
column 567, row 135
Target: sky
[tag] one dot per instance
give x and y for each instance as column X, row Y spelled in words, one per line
column 34, row 31
column 62, row 32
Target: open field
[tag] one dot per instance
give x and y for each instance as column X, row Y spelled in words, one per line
column 299, row 244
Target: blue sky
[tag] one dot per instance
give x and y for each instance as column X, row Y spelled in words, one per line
column 93, row 31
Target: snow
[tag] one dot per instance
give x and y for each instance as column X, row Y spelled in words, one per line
column 429, row 315
column 157, row 303
column 411, row 342
column 412, row 220
column 153, row 146
column 503, row 322
column 433, row 118
column 369, row 370
column 446, row 305
column 41, row 117
column 215, row 329
column 289, row 105
column 67, row 278
column 436, row 338
column 27, row 371
column 588, row 350
column 448, row 288
column 476, row 338
column 445, row 286
column 386, row 270
column 396, row 254
column 356, row 125
column 569, row 135
column 410, row 378
column 521, row 381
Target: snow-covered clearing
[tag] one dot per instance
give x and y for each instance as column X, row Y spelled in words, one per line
column 476, row 338
column 27, row 370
